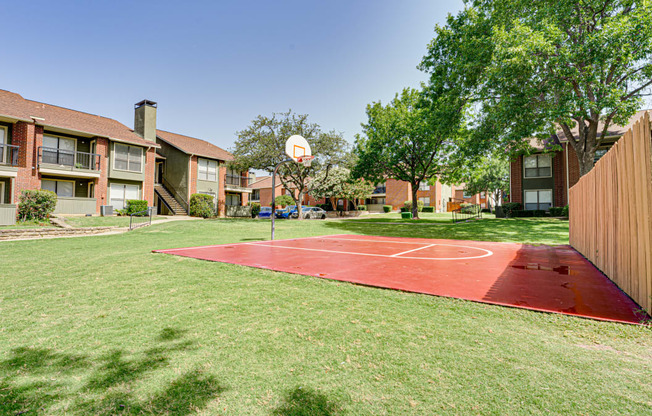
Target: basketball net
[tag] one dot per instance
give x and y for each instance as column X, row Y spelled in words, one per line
column 305, row 160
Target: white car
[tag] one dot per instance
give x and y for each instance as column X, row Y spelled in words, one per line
column 313, row 213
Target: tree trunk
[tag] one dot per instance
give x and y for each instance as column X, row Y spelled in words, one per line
column 586, row 161
column 415, row 201
column 300, row 200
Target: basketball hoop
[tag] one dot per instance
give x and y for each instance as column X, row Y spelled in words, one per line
column 305, row 160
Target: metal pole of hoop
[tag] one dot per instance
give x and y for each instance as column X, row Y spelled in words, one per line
column 305, row 161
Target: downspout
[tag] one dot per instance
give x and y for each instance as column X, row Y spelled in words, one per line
column 567, row 180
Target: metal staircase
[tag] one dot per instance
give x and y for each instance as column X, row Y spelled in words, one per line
column 169, row 200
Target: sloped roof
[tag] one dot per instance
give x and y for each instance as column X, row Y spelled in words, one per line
column 614, row 130
column 265, row 182
column 193, row 146
column 14, row 106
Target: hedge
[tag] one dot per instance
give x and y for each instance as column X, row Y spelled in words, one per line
column 36, row 204
column 408, row 206
column 362, row 207
column 255, row 209
column 428, row 209
column 509, row 207
column 556, row 211
column 564, row 211
column 387, row 208
column 528, row 213
column 201, row 205
column 136, row 205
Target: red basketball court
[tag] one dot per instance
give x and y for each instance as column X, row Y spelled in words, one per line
column 542, row 278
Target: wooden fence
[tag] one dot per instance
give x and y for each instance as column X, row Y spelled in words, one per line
column 611, row 214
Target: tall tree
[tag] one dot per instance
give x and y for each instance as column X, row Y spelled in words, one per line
column 533, row 68
column 489, row 174
column 338, row 183
column 262, row 146
column 406, row 140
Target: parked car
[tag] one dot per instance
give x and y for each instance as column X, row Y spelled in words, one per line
column 283, row 213
column 313, row 213
column 293, row 211
column 265, row 212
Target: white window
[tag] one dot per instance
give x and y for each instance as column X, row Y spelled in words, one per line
column 120, row 193
column 426, row 201
column 538, row 166
column 423, row 186
column 61, row 188
column 3, row 141
column 233, row 200
column 58, row 150
column 129, row 158
column 540, row 199
column 2, row 192
column 207, row 170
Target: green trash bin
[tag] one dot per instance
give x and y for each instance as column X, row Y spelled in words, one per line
column 406, row 215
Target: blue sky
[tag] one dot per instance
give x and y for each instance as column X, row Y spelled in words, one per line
column 213, row 66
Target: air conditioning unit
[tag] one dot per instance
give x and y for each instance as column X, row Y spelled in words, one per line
column 106, row 210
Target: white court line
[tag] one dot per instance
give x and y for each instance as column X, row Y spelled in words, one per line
column 488, row 253
column 372, row 241
column 410, row 251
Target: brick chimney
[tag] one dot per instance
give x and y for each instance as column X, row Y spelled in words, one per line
column 145, row 120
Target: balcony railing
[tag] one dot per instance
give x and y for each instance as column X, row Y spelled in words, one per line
column 8, row 154
column 235, row 180
column 68, row 158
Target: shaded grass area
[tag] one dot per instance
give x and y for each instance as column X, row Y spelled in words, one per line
column 103, row 326
column 552, row 231
column 424, row 218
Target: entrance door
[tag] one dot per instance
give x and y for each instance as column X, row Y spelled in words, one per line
column 159, row 172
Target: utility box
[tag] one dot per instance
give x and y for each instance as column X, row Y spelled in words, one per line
column 106, row 210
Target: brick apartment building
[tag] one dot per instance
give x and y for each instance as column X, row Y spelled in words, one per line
column 542, row 179
column 89, row 161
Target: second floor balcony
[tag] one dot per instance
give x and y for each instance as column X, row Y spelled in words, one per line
column 68, row 162
column 237, row 183
column 8, row 155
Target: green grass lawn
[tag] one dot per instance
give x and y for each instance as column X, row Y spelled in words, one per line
column 96, row 221
column 27, row 224
column 424, row 217
column 102, row 326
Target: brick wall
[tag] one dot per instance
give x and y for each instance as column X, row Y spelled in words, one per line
column 221, row 191
column 29, row 137
column 397, row 192
column 101, row 183
column 516, row 180
column 192, row 176
column 150, row 172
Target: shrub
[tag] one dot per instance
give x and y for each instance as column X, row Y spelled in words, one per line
column 283, row 200
column 564, row 211
column 255, row 209
column 387, row 208
column 136, row 205
column 428, row 209
column 325, row 207
column 362, row 207
column 201, row 205
column 510, row 207
column 408, row 206
column 487, row 210
column 406, row 215
column 556, row 211
column 36, row 204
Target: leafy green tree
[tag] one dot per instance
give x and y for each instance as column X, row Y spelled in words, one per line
column 338, row 183
column 329, row 184
column 283, row 200
column 357, row 189
column 530, row 69
column 406, row 140
column 262, row 146
column 489, row 174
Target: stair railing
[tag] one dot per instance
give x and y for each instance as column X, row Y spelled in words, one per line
column 175, row 194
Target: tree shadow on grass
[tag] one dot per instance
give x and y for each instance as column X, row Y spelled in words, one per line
column 307, row 402
column 526, row 230
column 34, row 379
